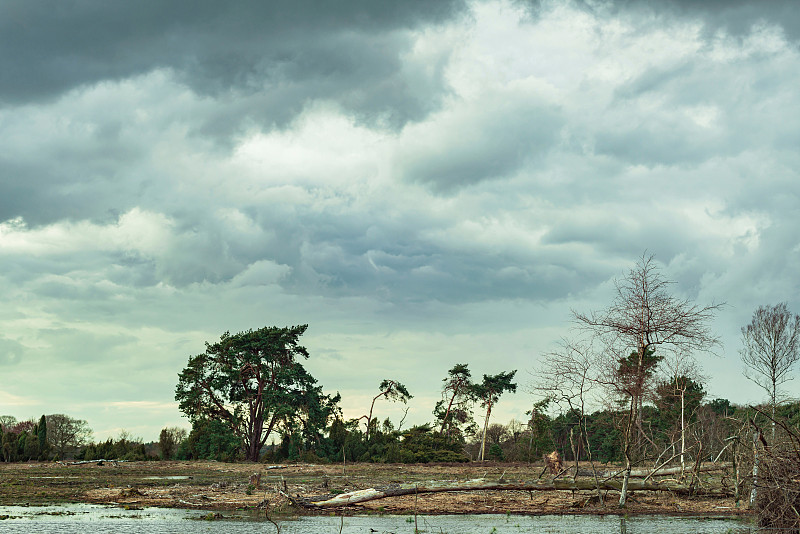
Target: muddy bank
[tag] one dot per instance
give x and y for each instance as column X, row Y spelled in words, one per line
column 220, row 486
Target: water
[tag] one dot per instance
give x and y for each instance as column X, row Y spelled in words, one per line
column 95, row 519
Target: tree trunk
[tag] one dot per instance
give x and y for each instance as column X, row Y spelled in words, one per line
column 574, row 452
column 481, row 484
column 585, row 432
column 485, row 427
column 447, row 413
column 369, row 417
column 753, row 492
column 683, row 434
column 623, row 494
column 737, row 485
column 647, row 473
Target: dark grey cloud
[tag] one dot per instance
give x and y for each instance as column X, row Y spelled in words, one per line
column 489, row 143
column 251, row 64
column 739, row 16
column 287, row 51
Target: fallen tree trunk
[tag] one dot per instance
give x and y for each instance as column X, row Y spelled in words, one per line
column 394, row 490
column 98, row 462
column 646, row 472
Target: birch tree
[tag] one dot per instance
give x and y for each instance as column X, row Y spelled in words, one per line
column 770, row 350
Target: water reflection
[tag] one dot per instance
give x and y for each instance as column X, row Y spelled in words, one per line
column 91, row 519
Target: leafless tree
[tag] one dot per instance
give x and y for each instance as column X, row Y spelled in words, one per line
column 771, row 348
column 644, row 320
column 66, row 434
column 169, row 440
column 681, row 374
column 567, row 376
column 7, row 421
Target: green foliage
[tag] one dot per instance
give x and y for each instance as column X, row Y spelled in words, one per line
column 454, row 412
column 539, row 432
column 428, row 446
column 210, row 439
column 721, row 407
column 496, row 452
column 489, row 391
column 604, row 436
column 635, row 371
column 253, row 383
column 124, row 448
column 42, row 437
column 9, row 446
column 394, row 391
column 29, row 444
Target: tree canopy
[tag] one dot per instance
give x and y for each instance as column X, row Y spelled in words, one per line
column 252, row 382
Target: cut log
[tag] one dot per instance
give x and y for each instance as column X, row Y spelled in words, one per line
column 394, row 490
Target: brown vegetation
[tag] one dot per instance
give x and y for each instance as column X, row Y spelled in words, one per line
column 219, row 486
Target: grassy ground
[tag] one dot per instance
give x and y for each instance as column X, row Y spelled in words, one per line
column 220, row 486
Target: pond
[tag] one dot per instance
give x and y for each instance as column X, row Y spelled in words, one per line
column 92, row 519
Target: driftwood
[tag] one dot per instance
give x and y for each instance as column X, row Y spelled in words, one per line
column 394, row 490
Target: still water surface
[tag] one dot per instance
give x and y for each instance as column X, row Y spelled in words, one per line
column 95, row 519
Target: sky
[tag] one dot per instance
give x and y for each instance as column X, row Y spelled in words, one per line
column 423, row 183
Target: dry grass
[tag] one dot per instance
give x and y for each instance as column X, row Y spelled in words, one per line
column 219, row 486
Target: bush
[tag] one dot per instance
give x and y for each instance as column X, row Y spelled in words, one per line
column 496, row 452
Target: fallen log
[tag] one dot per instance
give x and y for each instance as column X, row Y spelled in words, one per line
column 647, row 472
column 98, row 462
column 395, row 490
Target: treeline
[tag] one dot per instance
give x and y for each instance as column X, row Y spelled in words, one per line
column 61, row 437
column 53, row 436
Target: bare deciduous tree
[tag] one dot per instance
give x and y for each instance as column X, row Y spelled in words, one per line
column 567, row 376
column 771, row 348
column 644, row 317
column 169, row 440
column 66, row 434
